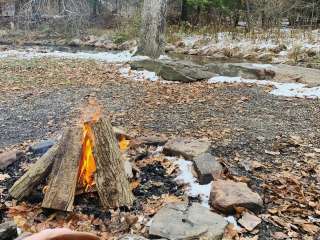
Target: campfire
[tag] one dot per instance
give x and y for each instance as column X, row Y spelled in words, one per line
column 87, row 158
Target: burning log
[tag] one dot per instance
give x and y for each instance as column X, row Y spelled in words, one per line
column 63, row 179
column 40, row 170
column 111, row 181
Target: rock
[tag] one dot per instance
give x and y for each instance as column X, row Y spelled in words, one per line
column 179, row 221
column 8, row 231
column 207, row 167
column 8, row 158
column 279, row 48
column 250, row 56
column 193, row 51
column 266, row 57
column 250, row 165
column 169, row 48
column 128, row 45
column 110, row 46
column 42, row 147
column 244, row 70
column 249, row 221
column 151, row 141
column 185, row 147
column 226, row 195
column 287, row 73
column 91, row 40
column 180, row 71
column 132, row 237
column 75, row 42
column 180, row 44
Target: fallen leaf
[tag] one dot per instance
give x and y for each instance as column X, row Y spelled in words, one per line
column 230, row 232
column 272, row 153
column 310, row 228
column 279, row 235
column 134, row 184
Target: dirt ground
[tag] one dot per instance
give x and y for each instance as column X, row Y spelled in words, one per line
column 246, row 125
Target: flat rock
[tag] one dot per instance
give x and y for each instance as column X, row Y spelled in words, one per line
column 7, row 158
column 277, row 72
column 8, row 231
column 42, row 147
column 180, row 221
column 249, row 221
column 207, row 167
column 179, row 71
column 185, row 147
column 226, row 195
column 244, row 70
column 151, row 141
column 131, row 237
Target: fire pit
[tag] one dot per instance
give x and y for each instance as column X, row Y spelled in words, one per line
column 86, row 158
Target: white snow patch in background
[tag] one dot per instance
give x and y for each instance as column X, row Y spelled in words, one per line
column 110, row 57
column 185, row 176
column 138, row 75
column 259, row 44
column 164, row 57
column 189, row 41
column 298, row 90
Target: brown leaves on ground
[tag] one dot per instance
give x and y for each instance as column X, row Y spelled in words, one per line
column 36, row 75
column 293, row 191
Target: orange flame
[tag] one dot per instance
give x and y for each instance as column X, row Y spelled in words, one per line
column 90, row 114
column 87, row 162
column 123, row 143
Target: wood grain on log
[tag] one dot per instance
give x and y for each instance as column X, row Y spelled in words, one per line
column 63, row 179
column 111, row 181
column 38, row 171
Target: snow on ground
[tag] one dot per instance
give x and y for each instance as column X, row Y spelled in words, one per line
column 189, row 41
column 138, row 75
column 298, row 90
column 109, row 57
column 185, row 176
column 261, row 42
column 194, row 189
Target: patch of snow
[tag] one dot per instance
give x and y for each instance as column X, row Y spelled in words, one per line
column 256, row 65
column 232, row 220
column 138, row 75
column 164, row 57
column 298, row 90
column 189, row 41
column 261, row 43
column 194, row 189
column 313, row 219
column 110, row 57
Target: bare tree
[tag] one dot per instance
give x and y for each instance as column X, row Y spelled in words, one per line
column 152, row 37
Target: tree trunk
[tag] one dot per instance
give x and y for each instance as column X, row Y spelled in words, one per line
column 63, row 179
column 184, row 11
column 40, row 170
column 111, row 181
column 248, row 15
column 152, row 39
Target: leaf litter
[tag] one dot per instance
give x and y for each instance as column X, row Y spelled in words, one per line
column 283, row 166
